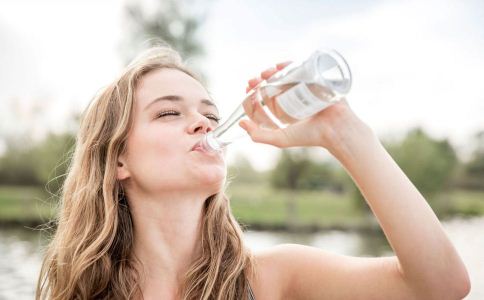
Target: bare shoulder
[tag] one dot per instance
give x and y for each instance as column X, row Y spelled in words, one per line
column 292, row 271
column 270, row 281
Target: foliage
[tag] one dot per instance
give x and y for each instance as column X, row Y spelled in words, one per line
column 176, row 23
column 473, row 177
column 17, row 163
column 251, row 204
column 242, row 171
column 37, row 164
column 290, row 168
column 296, row 170
column 25, row 205
column 55, row 152
column 429, row 163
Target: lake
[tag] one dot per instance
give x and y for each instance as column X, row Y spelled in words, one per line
column 20, row 250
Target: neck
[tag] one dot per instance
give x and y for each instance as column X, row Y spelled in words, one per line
column 167, row 231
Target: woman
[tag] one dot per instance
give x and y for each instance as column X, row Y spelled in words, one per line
column 143, row 213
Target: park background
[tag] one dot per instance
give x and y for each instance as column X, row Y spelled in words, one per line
column 417, row 69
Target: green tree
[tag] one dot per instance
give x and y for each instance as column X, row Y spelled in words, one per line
column 17, row 164
column 42, row 163
column 242, row 171
column 176, row 23
column 290, row 169
column 430, row 164
column 54, row 156
column 474, row 169
column 297, row 170
column 287, row 175
column 321, row 176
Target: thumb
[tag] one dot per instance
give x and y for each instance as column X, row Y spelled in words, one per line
column 259, row 134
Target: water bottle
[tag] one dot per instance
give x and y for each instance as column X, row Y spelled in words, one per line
column 296, row 92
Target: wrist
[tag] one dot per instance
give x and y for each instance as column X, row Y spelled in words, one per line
column 350, row 139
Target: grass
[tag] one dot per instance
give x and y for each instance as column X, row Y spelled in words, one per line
column 467, row 203
column 24, row 205
column 250, row 203
column 263, row 205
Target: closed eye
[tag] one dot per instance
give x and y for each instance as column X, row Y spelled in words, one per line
column 176, row 113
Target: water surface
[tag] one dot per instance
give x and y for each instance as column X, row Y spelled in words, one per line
column 20, row 252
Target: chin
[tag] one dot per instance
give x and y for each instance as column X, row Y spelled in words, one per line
column 215, row 178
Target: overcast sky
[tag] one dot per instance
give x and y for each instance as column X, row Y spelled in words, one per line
column 414, row 63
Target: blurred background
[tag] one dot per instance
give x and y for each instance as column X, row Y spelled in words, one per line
column 417, row 69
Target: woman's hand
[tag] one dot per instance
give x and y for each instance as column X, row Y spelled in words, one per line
column 327, row 128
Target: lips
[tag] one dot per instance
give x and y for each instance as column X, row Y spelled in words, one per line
column 197, row 146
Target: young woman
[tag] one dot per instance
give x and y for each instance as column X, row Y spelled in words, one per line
column 144, row 216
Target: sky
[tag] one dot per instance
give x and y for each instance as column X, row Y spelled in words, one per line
column 414, row 63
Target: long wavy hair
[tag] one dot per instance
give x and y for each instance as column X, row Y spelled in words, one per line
column 90, row 255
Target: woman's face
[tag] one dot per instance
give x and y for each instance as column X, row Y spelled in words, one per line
column 159, row 156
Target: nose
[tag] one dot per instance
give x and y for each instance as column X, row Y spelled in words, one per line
column 200, row 125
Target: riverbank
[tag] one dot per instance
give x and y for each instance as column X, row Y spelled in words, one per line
column 25, row 206
column 22, row 251
column 256, row 207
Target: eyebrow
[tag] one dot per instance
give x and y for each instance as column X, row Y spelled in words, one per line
column 179, row 98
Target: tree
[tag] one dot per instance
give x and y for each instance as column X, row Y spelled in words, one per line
column 430, row 164
column 242, row 171
column 474, row 169
column 55, row 157
column 321, row 176
column 174, row 22
column 42, row 163
column 17, row 164
column 287, row 175
column 290, row 168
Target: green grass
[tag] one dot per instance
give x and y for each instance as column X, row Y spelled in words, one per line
column 467, row 203
column 24, row 204
column 264, row 205
column 250, row 203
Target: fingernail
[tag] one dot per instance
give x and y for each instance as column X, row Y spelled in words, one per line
column 252, row 100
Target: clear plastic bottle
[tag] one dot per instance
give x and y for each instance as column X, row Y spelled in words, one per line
column 296, row 92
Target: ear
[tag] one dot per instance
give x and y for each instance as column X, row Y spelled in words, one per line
column 122, row 169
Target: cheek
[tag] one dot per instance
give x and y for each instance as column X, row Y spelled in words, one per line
column 162, row 159
column 150, row 151
column 165, row 145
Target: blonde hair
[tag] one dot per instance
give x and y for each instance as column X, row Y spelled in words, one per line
column 91, row 253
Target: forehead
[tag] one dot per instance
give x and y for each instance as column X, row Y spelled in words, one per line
column 166, row 81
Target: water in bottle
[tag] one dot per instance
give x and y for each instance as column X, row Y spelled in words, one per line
column 294, row 93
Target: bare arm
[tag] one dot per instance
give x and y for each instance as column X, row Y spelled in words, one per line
column 426, row 265
column 427, row 259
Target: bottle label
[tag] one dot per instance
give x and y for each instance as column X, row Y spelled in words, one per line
column 299, row 102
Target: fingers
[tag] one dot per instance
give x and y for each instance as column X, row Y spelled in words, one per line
column 266, row 75
column 261, row 117
column 252, row 83
column 255, row 111
column 258, row 134
column 282, row 65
